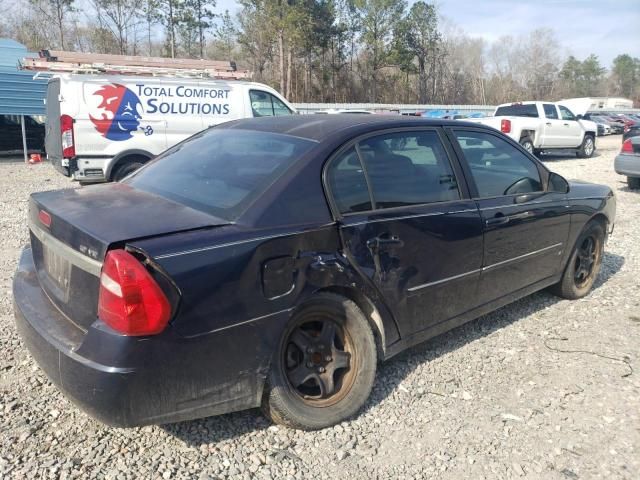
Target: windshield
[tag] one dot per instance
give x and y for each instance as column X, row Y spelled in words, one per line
column 528, row 110
column 221, row 171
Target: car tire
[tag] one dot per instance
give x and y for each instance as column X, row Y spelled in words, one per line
column 527, row 144
column 125, row 169
column 633, row 183
column 587, row 148
column 584, row 264
column 308, row 387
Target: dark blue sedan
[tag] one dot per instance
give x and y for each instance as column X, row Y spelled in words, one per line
column 272, row 262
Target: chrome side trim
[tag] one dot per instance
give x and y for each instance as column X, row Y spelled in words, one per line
column 448, row 279
column 238, row 242
column 431, row 214
column 89, row 265
column 520, row 257
column 286, row 310
column 483, row 269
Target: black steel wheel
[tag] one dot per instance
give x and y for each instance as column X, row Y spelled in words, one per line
column 324, row 368
column 584, row 264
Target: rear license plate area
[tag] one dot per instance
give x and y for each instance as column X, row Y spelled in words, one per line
column 58, row 273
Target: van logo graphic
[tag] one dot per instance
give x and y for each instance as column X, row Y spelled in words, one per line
column 120, row 112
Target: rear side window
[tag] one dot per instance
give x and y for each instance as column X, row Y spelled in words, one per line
column 550, row 110
column 498, row 168
column 348, row 183
column 264, row 104
column 408, row 168
column 528, row 110
column 400, row 169
column 221, row 171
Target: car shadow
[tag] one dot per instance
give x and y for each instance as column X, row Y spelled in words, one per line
column 558, row 155
column 391, row 373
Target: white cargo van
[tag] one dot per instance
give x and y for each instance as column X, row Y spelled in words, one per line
column 101, row 128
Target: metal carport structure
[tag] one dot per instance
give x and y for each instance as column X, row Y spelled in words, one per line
column 20, row 93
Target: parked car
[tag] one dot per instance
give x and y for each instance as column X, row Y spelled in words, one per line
column 273, row 262
column 544, row 126
column 11, row 134
column 345, row 110
column 101, row 128
column 604, row 126
column 627, row 162
column 632, row 131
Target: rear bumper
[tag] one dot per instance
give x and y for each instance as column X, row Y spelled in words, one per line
column 90, row 170
column 132, row 381
column 628, row 165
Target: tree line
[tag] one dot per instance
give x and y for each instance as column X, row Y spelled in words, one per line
column 365, row 51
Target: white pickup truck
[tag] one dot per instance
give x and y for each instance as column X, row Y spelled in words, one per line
column 543, row 126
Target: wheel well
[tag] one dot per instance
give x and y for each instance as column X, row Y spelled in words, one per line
column 590, row 134
column 527, row 133
column 602, row 219
column 127, row 159
column 370, row 312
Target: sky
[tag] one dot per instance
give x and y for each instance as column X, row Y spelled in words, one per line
column 604, row 27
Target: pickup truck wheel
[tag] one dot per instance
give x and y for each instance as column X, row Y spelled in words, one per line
column 587, row 148
column 527, row 144
column 633, row 183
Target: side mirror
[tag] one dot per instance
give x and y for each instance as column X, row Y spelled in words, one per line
column 557, row 183
column 579, row 117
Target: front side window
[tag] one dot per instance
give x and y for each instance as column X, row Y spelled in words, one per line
column 263, row 104
column 221, row 171
column 408, row 168
column 550, row 110
column 498, row 168
column 566, row 114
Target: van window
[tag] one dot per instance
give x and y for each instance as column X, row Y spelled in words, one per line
column 264, row 104
column 220, row 171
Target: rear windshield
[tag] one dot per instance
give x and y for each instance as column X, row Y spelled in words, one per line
column 529, row 110
column 221, row 171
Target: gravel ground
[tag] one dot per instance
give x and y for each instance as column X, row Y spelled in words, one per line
column 543, row 388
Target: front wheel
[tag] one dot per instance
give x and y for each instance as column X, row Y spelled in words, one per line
column 584, row 264
column 325, row 366
column 587, row 148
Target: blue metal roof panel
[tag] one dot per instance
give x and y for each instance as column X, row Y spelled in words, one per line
column 20, row 94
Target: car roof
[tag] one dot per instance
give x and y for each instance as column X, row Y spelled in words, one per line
column 321, row 127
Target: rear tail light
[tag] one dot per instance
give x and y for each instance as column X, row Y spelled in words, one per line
column 44, row 218
column 130, row 301
column 626, row 128
column 626, row 146
column 505, row 125
column 66, row 130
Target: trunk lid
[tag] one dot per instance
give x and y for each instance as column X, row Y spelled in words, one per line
column 83, row 224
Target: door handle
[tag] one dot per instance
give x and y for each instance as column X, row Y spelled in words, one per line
column 548, row 124
column 377, row 243
column 566, row 124
column 499, row 219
